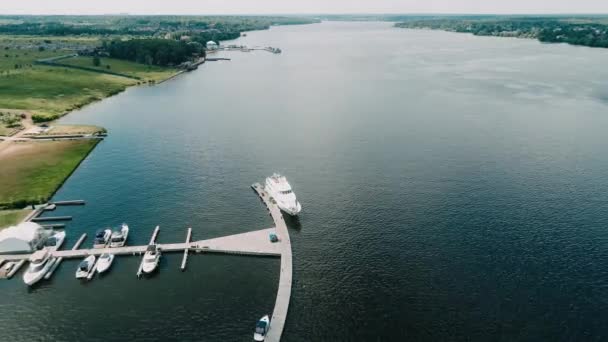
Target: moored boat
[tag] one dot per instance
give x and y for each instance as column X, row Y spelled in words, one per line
column 55, row 241
column 119, row 238
column 102, row 236
column 261, row 328
column 278, row 187
column 85, row 267
column 40, row 263
column 104, row 262
column 151, row 259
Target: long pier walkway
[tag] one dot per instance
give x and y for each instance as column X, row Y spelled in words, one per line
column 279, row 314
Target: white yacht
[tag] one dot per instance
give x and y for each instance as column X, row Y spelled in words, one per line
column 55, row 241
column 261, row 328
column 278, row 187
column 119, row 239
column 104, row 262
column 85, row 267
column 151, row 259
column 102, row 237
column 40, row 263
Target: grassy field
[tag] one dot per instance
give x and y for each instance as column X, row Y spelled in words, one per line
column 74, row 129
column 144, row 72
column 48, row 91
column 52, row 91
column 31, row 172
column 12, row 217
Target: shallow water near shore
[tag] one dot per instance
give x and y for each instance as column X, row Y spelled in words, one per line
column 453, row 188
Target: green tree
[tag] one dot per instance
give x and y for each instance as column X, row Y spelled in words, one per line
column 96, row 61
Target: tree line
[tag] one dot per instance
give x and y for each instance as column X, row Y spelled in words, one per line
column 162, row 52
column 576, row 31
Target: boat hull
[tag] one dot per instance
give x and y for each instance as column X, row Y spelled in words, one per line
column 30, row 278
column 103, row 266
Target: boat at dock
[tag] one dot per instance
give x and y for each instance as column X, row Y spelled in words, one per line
column 102, row 236
column 85, row 267
column 261, row 328
column 279, row 188
column 104, row 262
column 151, row 259
column 55, row 241
column 119, row 238
column 40, row 263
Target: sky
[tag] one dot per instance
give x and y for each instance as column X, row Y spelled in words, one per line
column 195, row 7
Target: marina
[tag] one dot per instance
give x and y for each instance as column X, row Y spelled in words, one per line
column 270, row 242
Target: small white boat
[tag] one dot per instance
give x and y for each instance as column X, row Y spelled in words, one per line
column 40, row 263
column 8, row 267
column 85, row 267
column 278, row 187
column 119, row 239
column 104, row 262
column 151, row 259
column 261, row 328
column 55, row 241
column 102, row 237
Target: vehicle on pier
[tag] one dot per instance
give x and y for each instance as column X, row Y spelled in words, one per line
column 151, row 259
column 104, row 262
column 102, row 236
column 261, row 328
column 119, row 239
column 85, row 267
column 40, row 263
column 278, row 187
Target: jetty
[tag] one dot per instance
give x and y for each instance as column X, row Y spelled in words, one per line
column 255, row 243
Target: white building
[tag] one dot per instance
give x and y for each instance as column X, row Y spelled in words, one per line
column 23, row 238
column 211, row 45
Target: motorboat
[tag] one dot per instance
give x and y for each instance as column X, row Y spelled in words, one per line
column 278, row 187
column 102, row 236
column 261, row 328
column 104, row 262
column 151, row 259
column 85, row 267
column 119, row 238
column 40, row 263
column 55, row 241
column 8, row 267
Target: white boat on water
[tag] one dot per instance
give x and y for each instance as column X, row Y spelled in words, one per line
column 40, row 263
column 102, row 236
column 261, row 328
column 55, row 241
column 151, row 259
column 119, row 239
column 85, row 267
column 104, row 262
column 278, row 187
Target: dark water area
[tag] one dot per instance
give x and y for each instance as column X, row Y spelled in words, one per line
column 453, row 188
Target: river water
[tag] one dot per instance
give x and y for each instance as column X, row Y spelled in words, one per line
column 454, row 188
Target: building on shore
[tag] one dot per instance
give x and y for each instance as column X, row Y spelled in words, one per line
column 25, row 237
column 211, row 45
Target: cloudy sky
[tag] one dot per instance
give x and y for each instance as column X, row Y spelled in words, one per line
column 299, row 6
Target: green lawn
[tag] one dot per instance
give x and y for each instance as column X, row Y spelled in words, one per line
column 12, row 217
column 53, row 91
column 31, row 172
column 144, row 72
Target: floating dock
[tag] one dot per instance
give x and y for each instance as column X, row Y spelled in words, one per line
column 185, row 258
column 60, row 259
column 73, row 202
column 51, row 218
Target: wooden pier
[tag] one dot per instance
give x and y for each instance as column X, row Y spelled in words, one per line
column 279, row 314
column 185, row 258
column 52, row 218
column 60, row 259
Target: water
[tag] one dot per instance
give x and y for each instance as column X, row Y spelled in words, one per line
column 453, row 189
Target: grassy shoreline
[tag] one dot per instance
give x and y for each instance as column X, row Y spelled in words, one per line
column 33, row 171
